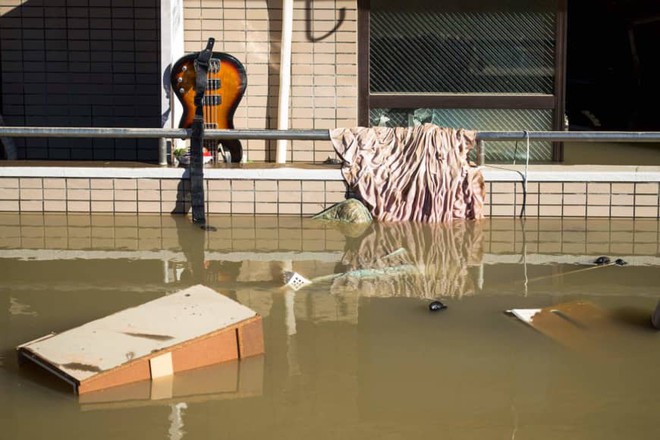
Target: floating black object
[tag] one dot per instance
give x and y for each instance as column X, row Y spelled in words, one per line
column 620, row 262
column 602, row 260
column 436, row 305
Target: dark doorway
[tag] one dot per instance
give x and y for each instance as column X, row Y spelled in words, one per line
column 612, row 65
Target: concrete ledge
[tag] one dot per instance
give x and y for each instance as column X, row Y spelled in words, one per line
column 571, row 173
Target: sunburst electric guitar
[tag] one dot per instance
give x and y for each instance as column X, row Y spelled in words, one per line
column 225, row 86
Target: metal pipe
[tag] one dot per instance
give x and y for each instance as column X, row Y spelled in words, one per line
column 285, row 78
column 162, row 152
column 319, row 135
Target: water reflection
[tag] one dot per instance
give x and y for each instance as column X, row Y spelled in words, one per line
column 442, row 255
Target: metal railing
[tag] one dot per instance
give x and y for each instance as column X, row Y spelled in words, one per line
column 314, row 135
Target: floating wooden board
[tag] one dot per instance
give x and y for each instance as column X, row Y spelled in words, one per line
column 579, row 325
column 189, row 329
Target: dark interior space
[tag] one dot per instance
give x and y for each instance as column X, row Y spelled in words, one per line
column 613, row 69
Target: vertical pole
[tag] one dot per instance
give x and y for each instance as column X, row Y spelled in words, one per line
column 171, row 49
column 481, row 153
column 285, row 78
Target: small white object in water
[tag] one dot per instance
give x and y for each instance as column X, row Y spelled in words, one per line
column 295, row 280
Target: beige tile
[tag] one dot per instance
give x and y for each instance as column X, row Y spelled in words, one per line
column 598, row 199
column 242, row 196
column 8, row 193
column 646, row 188
column 335, row 186
column 598, row 211
column 646, row 211
column 148, row 206
column 646, row 200
column 78, row 206
column 125, row 195
column 502, row 211
column 502, row 199
column 32, row 205
column 290, row 185
column 646, row 249
column 101, row 183
column 125, row 184
column 218, row 196
column 125, row 205
column 102, row 206
column 242, row 208
column 31, row 194
column 550, row 188
column 149, row 195
column 267, row 196
column 8, row 182
column 219, row 207
column 102, row 194
column 623, row 200
column 78, row 194
column 623, row 188
column 148, row 184
column 548, row 199
column 30, row 182
column 598, row 188
column 54, row 183
column 575, row 199
column 54, row 194
column 575, row 211
column 550, row 210
column 290, row 208
column 265, row 185
column 242, row 185
column 77, row 183
column 575, row 188
column 289, row 196
column 622, row 211
column 55, row 205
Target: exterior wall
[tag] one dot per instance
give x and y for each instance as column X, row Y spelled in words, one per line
column 83, row 64
column 586, row 192
column 324, row 65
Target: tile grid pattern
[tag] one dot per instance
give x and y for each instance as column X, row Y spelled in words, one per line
column 306, row 197
column 324, row 65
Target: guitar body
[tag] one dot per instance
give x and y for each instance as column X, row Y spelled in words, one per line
column 226, row 83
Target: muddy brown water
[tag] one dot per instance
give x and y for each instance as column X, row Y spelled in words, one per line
column 357, row 356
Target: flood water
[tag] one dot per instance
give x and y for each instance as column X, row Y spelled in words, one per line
column 358, row 355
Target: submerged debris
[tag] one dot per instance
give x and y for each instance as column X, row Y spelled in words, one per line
column 347, row 211
column 602, row 260
column 436, row 306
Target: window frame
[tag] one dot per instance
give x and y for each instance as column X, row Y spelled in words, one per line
column 555, row 101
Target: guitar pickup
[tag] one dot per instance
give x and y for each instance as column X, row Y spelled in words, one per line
column 213, row 84
column 212, row 100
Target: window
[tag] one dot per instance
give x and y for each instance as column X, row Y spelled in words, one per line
column 475, row 64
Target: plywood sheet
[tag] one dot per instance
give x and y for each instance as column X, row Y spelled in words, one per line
column 139, row 332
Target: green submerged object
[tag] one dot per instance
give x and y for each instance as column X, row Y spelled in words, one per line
column 348, row 211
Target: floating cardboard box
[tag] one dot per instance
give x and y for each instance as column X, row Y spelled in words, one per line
column 236, row 379
column 193, row 328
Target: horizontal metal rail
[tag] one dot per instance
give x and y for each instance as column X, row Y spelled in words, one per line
column 317, row 135
column 313, row 135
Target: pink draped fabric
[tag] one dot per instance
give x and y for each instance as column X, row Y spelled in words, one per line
column 412, row 173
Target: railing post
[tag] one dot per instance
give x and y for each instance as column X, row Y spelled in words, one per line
column 481, row 152
column 162, row 152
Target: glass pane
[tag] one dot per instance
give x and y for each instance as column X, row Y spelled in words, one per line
column 480, row 120
column 462, row 47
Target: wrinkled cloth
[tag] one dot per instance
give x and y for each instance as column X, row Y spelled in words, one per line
column 416, row 173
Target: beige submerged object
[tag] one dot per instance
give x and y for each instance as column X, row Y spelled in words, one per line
column 579, row 325
column 193, row 328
